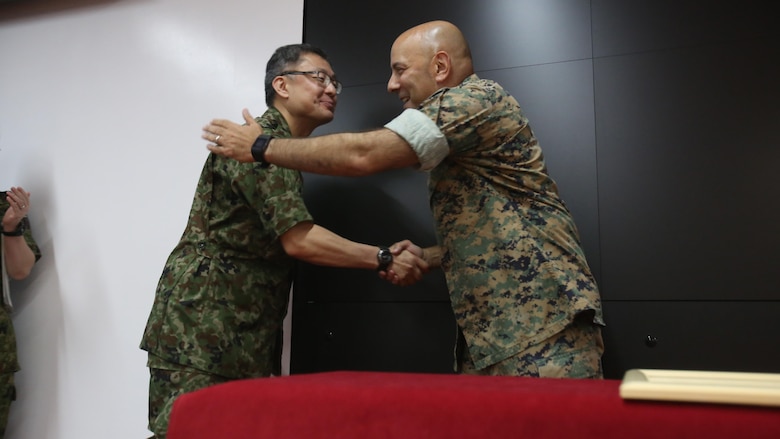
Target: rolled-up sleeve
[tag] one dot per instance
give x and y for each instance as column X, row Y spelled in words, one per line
column 422, row 134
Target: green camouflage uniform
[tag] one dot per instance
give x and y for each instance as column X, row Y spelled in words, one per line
column 510, row 250
column 9, row 362
column 223, row 294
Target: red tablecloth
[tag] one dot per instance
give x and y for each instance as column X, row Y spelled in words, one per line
column 372, row 405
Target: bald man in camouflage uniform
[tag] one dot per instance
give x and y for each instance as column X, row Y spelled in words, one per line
column 20, row 252
column 223, row 294
column 523, row 295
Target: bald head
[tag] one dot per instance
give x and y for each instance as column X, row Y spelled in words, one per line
column 442, row 36
column 426, row 58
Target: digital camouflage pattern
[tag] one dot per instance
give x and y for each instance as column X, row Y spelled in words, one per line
column 9, row 361
column 223, row 294
column 511, row 252
column 574, row 352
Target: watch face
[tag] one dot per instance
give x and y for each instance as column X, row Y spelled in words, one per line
column 385, row 256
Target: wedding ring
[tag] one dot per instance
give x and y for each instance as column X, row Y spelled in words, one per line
column 216, row 140
column 23, row 206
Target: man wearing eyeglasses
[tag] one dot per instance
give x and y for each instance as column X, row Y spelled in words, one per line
column 325, row 79
column 521, row 289
column 221, row 300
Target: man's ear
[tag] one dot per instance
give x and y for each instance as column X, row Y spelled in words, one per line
column 280, row 86
column 442, row 65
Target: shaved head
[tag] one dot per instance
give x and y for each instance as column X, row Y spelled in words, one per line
column 426, row 58
column 441, row 36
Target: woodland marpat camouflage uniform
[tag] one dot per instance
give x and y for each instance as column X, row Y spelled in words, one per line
column 514, row 266
column 222, row 297
column 9, row 361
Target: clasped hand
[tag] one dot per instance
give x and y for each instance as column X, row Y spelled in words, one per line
column 408, row 265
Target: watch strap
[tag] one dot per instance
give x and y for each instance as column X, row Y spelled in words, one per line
column 18, row 231
column 258, row 149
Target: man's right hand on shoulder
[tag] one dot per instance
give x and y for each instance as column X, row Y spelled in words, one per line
column 232, row 140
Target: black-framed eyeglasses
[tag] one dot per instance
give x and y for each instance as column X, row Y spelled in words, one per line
column 324, row 79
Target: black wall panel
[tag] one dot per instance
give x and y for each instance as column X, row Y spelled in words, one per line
column 502, row 33
column 377, row 336
column 621, row 27
column 689, row 200
column 730, row 336
column 659, row 123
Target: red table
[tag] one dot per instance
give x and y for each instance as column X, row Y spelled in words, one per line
column 373, row 405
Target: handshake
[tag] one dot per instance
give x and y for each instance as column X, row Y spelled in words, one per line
column 410, row 262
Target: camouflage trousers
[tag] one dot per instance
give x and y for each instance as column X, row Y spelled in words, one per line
column 167, row 381
column 574, row 352
column 7, row 396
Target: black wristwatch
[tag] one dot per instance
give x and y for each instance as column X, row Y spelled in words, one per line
column 258, row 149
column 19, row 231
column 384, row 257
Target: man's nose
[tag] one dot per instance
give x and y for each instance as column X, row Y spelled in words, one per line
column 392, row 85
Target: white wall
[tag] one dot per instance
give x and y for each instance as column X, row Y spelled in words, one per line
column 101, row 106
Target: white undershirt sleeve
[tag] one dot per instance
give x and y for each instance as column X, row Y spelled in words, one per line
column 422, row 134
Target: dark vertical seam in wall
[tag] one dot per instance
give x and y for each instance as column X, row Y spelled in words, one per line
column 303, row 28
column 596, row 152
